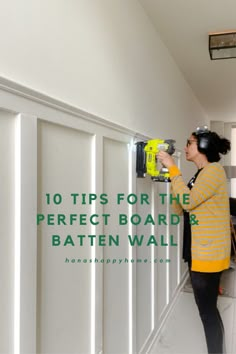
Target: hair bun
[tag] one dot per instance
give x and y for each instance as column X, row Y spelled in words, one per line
column 224, row 146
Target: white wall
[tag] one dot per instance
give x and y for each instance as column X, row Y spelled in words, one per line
column 102, row 56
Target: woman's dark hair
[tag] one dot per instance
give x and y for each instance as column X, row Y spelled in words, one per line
column 214, row 145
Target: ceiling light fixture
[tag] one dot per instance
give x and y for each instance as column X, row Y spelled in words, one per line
column 222, row 45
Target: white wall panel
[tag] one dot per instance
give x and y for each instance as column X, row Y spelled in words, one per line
column 174, row 266
column 144, row 274
column 63, row 286
column 7, row 132
column 157, row 280
column 82, row 308
column 161, row 268
column 116, row 276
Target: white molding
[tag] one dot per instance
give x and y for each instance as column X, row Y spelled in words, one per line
column 97, row 286
column 132, row 254
column 33, row 95
column 25, row 292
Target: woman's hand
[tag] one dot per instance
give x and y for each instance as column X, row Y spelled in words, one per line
column 165, row 159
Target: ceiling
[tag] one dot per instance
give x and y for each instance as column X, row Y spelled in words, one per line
column 183, row 26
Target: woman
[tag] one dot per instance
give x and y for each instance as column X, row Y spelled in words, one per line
column 207, row 243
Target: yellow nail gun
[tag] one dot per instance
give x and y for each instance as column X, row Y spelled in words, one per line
column 146, row 160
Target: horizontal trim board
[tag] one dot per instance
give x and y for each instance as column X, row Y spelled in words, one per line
column 25, row 92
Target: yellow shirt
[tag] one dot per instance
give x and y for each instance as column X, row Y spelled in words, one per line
column 209, row 203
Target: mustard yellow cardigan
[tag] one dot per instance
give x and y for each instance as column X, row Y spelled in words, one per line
column 209, row 203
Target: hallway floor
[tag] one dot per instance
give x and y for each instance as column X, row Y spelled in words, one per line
column 183, row 332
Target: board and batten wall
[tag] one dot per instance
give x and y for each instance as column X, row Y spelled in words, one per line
column 49, row 303
column 105, row 58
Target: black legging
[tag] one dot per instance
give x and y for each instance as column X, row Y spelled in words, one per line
column 206, row 288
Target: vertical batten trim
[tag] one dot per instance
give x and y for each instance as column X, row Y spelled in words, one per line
column 168, row 247
column 93, row 249
column 152, row 263
column 130, row 250
column 17, row 236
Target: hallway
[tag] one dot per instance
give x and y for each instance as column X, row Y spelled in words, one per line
column 183, row 331
column 81, row 84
